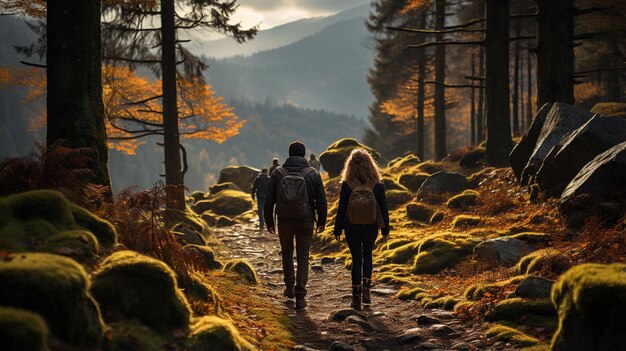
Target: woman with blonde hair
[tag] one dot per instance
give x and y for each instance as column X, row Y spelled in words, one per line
column 361, row 213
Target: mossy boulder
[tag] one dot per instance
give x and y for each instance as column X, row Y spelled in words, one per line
column 229, row 203
column 429, row 167
column 400, row 163
column 223, row 221
column 129, row 285
column 336, row 154
column 243, row 269
column 400, row 254
column 478, row 291
column 464, row 200
column 197, row 196
column 444, row 182
column 187, row 235
column 204, row 254
column 504, row 249
column 199, row 290
column 532, row 237
column 397, row 198
column 437, row 217
column 441, row 251
column 511, row 336
column 591, row 305
column 616, row 109
column 43, row 220
column 419, row 212
column 56, row 288
column 471, row 158
column 516, row 308
column 392, row 184
column 131, row 335
column 214, row 333
column 445, row 302
column 214, row 189
column 543, row 260
column 22, row 330
column 413, row 181
column 476, row 178
column 241, row 176
column 462, row 221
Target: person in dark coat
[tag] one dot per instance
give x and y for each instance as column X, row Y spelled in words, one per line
column 259, row 189
column 274, row 165
column 299, row 229
column 360, row 169
column 313, row 162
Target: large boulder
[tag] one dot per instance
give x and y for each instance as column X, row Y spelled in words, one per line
column 214, row 189
column 521, row 152
column 617, row 109
column 534, row 287
column 562, row 164
column 602, row 180
column 591, row 305
column 503, row 249
column 227, row 203
column 54, row 287
column 241, row 176
column 561, row 120
column 214, row 333
column 444, row 182
column 336, row 154
column 22, row 330
column 413, row 181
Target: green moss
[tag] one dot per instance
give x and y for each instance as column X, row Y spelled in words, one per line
column 464, row 200
column 441, row 251
column 130, row 335
column 617, row 109
column 478, row 291
column 200, row 290
column 516, row 308
column 102, row 229
column 402, row 254
column 591, row 305
column 413, row 181
column 391, row 184
column 214, row 333
column 461, row 221
column 511, row 335
column 538, row 260
column 243, row 269
column 463, row 306
column 204, row 254
column 132, row 286
column 396, row 198
column 22, row 330
column 226, row 203
column 336, row 154
column 437, row 217
column 419, row 212
column 55, row 287
column 48, row 205
column 394, row 243
column 532, row 237
column 475, row 178
column 430, row 167
column 408, row 293
column 214, row 189
column 78, row 244
column 471, row 158
column 399, row 163
column 445, row 302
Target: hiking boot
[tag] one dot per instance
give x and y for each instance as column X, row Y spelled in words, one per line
column 289, row 292
column 300, row 303
column 367, row 283
column 356, row 297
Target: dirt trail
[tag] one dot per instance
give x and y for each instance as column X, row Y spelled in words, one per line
column 387, row 324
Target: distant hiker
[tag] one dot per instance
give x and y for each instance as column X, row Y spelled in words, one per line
column 274, row 165
column 314, row 163
column 298, row 193
column 259, row 189
column 361, row 212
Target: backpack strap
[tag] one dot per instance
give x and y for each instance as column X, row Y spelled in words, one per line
column 306, row 171
column 282, row 170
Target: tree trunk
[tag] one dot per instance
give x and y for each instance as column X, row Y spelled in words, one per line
column 440, row 76
column 481, row 100
column 421, row 94
column 74, row 74
column 497, row 82
column 516, row 95
column 529, row 87
column 555, row 51
column 473, row 106
column 171, row 138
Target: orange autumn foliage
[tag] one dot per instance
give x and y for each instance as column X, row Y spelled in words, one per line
column 132, row 106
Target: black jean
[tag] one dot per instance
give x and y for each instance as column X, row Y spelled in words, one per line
column 361, row 244
column 302, row 233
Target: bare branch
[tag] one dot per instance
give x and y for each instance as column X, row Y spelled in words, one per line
column 454, row 85
column 436, row 31
column 129, row 60
column 446, row 42
column 38, row 65
column 467, row 24
column 143, row 101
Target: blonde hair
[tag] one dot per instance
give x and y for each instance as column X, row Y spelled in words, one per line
column 360, row 166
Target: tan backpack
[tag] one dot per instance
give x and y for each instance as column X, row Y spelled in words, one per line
column 362, row 206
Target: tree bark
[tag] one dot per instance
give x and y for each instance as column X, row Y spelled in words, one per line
column 421, row 93
column 499, row 141
column 473, row 106
column 522, row 105
column 74, row 77
column 481, row 99
column 529, row 87
column 516, row 95
column 555, row 51
column 440, row 76
column 171, row 137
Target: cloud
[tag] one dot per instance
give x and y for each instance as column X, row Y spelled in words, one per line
column 308, row 5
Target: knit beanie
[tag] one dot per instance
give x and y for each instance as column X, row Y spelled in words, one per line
column 297, row 149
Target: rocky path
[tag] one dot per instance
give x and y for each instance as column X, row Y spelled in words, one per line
column 329, row 324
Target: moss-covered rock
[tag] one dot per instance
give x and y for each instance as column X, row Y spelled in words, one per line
column 197, row 196
column 617, row 109
column 429, row 167
column 476, row 292
column 461, row 221
column 515, row 309
column 243, row 269
column 241, row 176
column 336, row 154
column 202, row 296
column 214, row 189
column 399, row 163
column 591, row 305
column 55, row 287
column 413, row 181
column 102, row 229
column 511, row 335
column 401, row 254
column 392, row 184
column 409, row 293
column 532, row 237
column 132, row 286
column 463, row 201
column 78, row 244
column 545, row 259
column 22, row 330
column 471, row 158
column 214, row 333
column 444, row 302
column 419, row 212
column 437, row 217
column 224, row 221
column 131, row 335
column 476, row 178
column 226, row 203
column 204, row 254
column 442, row 251
column 397, row 198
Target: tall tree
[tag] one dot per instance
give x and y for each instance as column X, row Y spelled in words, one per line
column 74, row 68
column 516, row 80
column 441, row 149
column 480, row 122
column 473, row 105
column 421, row 93
column 499, row 141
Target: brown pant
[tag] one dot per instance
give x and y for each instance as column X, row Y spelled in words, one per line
column 303, row 233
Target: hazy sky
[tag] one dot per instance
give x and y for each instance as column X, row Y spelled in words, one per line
column 270, row 13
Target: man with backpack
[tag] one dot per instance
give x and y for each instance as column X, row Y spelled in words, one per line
column 296, row 194
column 259, row 189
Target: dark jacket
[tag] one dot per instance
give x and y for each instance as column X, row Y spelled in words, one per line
column 260, row 185
column 341, row 220
column 315, row 187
